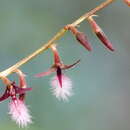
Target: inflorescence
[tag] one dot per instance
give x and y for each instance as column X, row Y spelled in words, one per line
column 61, row 84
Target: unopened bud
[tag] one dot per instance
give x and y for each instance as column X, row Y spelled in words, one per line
column 100, row 34
column 81, row 38
column 127, row 2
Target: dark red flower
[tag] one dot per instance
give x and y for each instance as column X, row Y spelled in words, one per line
column 57, row 67
column 17, row 107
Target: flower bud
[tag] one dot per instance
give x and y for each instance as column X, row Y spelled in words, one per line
column 81, row 38
column 127, row 2
column 100, row 34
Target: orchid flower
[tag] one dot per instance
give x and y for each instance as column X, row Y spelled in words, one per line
column 17, row 108
column 59, row 85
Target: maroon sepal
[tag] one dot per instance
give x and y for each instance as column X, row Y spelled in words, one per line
column 59, row 76
column 19, row 90
column 51, row 70
column 82, row 39
column 22, row 90
column 72, row 65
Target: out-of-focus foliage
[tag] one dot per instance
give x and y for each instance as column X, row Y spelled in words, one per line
column 101, row 81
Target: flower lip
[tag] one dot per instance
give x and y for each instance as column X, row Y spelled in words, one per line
column 20, row 113
column 62, row 93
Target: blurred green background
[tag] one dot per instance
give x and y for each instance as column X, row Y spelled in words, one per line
column 101, row 81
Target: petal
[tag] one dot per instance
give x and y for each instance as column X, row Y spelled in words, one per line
column 59, row 76
column 100, row 34
column 22, row 90
column 70, row 66
column 51, row 70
